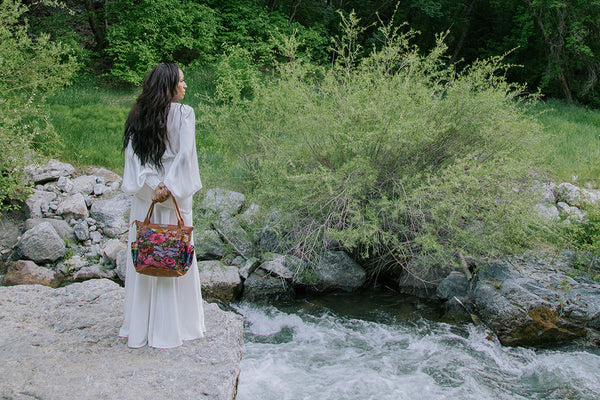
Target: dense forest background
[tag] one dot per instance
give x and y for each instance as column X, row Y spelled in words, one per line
column 554, row 44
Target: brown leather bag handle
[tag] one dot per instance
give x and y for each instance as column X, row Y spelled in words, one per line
column 180, row 222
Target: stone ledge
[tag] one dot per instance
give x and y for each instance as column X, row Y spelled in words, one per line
column 63, row 343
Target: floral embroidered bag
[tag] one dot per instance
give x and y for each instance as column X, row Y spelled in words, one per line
column 162, row 250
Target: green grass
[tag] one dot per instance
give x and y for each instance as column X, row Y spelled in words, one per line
column 572, row 142
column 90, row 118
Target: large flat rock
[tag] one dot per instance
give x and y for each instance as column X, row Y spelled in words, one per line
column 63, row 343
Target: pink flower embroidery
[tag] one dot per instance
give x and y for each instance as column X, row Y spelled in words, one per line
column 171, row 235
column 156, row 238
column 168, row 262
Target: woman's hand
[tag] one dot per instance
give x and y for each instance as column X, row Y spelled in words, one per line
column 161, row 193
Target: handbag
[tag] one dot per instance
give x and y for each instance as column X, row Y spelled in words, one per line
column 162, row 250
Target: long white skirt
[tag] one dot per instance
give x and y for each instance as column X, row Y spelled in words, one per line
column 161, row 312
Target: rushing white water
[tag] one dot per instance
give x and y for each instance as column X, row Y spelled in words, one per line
column 314, row 351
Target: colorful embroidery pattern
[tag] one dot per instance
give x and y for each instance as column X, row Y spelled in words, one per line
column 163, row 248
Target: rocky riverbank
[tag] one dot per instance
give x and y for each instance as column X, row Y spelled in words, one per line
column 73, row 228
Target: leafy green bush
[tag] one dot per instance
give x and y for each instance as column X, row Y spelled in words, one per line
column 144, row 33
column 30, row 69
column 389, row 157
column 585, row 234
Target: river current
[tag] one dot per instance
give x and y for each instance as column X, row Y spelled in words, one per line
column 383, row 346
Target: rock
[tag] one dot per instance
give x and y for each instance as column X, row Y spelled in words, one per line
column 284, row 266
column 208, row 245
column 455, row 284
column 9, row 234
column 529, row 302
column 111, row 249
column 64, row 184
column 262, row 287
column 84, row 184
column 223, row 202
column 219, row 281
column 422, row 277
column 250, row 216
column 67, row 347
column 99, row 189
column 52, row 171
column 574, row 196
column 113, row 214
column 42, row 244
column 547, row 211
column 122, row 263
column 38, row 203
column 234, row 235
column 107, row 177
column 95, row 271
column 546, row 191
column 273, row 238
column 248, row 267
column 95, row 237
column 73, row 206
column 563, row 208
column 61, row 227
column 81, row 230
column 337, row 271
column 28, row 273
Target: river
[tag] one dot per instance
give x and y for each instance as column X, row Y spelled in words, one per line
column 380, row 345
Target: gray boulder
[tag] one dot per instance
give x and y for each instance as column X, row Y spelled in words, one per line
column 64, row 184
column 261, row 287
column 234, row 235
column 285, row 266
column 547, row 211
column 28, row 273
column 248, row 267
column 52, row 171
column 84, row 184
column 532, row 302
column 113, row 214
column 223, row 202
column 575, row 196
column 73, row 206
column 422, row 276
column 111, row 249
column 337, row 271
column 95, row 271
column 9, row 234
column 74, row 330
column 42, row 244
column 61, row 227
column 122, row 264
column 219, row 281
column 39, row 201
column 208, row 245
column 455, row 284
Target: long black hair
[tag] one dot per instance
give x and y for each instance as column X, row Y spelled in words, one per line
column 146, row 125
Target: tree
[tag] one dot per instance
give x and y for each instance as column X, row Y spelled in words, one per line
column 30, row 69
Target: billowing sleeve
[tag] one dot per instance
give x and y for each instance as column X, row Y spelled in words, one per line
column 183, row 176
column 138, row 179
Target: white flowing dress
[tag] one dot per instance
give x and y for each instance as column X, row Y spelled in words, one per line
column 162, row 312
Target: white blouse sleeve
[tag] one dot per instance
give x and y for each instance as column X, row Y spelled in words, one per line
column 183, row 176
column 137, row 176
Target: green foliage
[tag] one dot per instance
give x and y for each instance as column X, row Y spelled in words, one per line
column 236, row 75
column 144, row 33
column 31, row 67
column 390, row 156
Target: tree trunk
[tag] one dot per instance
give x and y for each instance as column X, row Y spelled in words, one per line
column 97, row 28
column 463, row 34
column 555, row 47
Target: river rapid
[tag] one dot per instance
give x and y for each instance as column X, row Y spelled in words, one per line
column 380, row 345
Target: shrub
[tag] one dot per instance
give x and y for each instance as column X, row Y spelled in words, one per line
column 31, row 67
column 144, row 33
column 390, row 157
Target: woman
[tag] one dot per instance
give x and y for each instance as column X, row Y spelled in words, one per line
column 160, row 157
